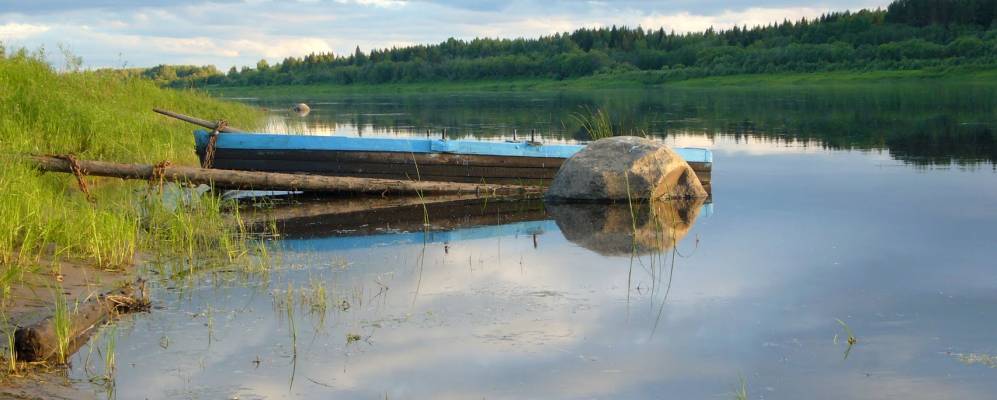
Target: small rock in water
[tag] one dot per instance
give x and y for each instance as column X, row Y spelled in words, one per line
column 301, row 109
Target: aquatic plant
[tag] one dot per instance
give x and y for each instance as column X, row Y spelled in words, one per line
column 11, row 355
column 851, row 340
column 110, row 361
column 315, row 297
column 422, row 198
column 596, row 123
column 848, row 331
column 352, row 338
column 741, row 392
column 289, row 307
column 264, row 261
column 62, row 322
column 633, row 212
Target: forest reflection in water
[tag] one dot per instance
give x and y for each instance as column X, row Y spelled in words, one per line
column 924, row 125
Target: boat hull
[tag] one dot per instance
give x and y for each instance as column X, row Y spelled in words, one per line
column 414, row 159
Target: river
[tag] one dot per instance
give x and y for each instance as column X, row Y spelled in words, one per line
column 862, row 213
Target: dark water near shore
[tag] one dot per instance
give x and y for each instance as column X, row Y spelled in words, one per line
column 877, row 207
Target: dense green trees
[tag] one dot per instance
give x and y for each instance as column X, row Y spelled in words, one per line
column 910, row 34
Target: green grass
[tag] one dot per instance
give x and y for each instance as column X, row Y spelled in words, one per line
column 292, row 329
column 62, row 321
column 315, row 298
column 11, row 355
column 110, row 358
column 596, row 123
column 620, row 80
column 96, row 116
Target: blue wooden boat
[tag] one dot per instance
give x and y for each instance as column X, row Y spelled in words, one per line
column 504, row 162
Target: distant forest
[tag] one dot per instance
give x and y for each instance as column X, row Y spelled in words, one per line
column 909, row 34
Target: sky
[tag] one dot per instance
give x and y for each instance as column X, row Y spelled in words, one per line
column 143, row 33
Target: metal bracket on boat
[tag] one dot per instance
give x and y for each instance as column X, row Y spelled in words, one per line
column 533, row 141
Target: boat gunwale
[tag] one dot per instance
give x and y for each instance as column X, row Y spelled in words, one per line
column 286, row 142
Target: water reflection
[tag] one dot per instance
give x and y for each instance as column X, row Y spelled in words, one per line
column 923, row 124
column 621, row 229
column 606, row 229
column 358, row 216
column 405, row 304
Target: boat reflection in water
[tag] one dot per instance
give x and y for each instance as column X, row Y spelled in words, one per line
column 606, row 229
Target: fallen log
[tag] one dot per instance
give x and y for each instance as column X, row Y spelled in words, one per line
column 251, row 180
column 40, row 341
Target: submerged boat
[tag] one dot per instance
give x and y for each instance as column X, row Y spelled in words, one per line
column 476, row 161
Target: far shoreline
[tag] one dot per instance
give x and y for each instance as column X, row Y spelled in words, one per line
column 625, row 80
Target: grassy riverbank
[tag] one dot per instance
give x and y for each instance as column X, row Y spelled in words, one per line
column 44, row 217
column 624, row 80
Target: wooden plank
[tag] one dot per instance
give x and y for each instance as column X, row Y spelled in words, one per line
column 437, row 178
column 400, row 170
column 390, row 158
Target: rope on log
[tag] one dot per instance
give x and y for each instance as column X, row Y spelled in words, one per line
column 79, row 172
column 159, row 174
column 231, row 179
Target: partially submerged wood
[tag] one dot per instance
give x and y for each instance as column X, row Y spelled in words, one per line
column 248, row 180
column 40, row 342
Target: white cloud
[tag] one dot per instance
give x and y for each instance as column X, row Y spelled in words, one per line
column 15, row 30
column 281, row 47
column 194, row 32
column 685, row 22
column 376, row 3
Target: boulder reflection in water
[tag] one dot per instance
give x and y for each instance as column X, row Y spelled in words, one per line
column 612, row 229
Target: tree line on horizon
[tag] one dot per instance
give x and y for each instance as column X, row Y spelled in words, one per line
column 908, row 34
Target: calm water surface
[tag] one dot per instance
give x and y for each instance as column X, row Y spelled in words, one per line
column 874, row 207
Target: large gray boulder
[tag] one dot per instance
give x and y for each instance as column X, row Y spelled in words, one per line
column 608, row 169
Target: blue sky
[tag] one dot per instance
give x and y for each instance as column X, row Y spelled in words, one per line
column 115, row 33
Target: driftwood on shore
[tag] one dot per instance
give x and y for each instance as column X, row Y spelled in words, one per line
column 40, row 341
column 250, row 180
